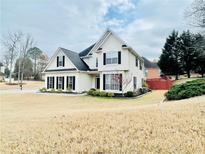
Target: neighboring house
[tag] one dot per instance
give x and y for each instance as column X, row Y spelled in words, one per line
column 108, row 65
column 151, row 69
column 2, row 71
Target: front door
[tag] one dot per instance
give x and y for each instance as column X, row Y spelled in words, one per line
column 97, row 82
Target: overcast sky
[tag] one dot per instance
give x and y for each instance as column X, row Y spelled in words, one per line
column 143, row 24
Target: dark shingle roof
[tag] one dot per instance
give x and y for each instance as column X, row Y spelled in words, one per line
column 76, row 60
column 86, row 51
column 149, row 64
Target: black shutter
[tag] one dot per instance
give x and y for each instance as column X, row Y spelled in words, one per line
column 67, row 82
column 103, row 81
column 63, row 61
column 120, row 80
column 63, row 83
column 73, row 82
column 136, row 62
column 57, row 61
column 119, row 57
column 56, row 82
column 53, row 82
column 47, row 82
column 104, row 58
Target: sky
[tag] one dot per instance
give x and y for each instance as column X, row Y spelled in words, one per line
column 75, row 25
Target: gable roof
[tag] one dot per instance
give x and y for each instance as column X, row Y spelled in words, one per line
column 149, row 64
column 86, row 51
column 102, row 39
column 75, row 59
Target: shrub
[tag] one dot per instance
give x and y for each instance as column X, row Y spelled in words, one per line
column 103, row 94
column 52, row 91
column 109, row 94
column 93, row 89
column 96, row 93
column 143, row 90
column 90, row 92
column 129, row 94
column 43, row 90
column 186, row 90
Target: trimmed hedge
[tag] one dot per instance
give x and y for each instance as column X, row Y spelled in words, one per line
column 94, row 92
column 129, row 94
column 186, row 90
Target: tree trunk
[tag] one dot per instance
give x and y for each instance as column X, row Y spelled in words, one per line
column 35, row 66
column 202, row 75
column 188, row 74
column 10, row 73
column 177, row 77
column 19, row 71
column 22, row 71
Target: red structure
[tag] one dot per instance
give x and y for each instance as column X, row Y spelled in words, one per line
column 162, row 83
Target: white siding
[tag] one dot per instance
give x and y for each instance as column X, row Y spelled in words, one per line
column 85, row 81
column 53, row 63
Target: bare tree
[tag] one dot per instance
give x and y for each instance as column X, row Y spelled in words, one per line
column 6, row 60
column 25, row 45
column 10, row 43
column 196, row 14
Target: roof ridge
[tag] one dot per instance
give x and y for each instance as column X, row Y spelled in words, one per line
column 68, row 50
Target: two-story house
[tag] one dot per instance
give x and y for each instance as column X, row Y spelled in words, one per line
column 108, row 65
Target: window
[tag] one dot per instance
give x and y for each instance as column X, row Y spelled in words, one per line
column 135, row 82
column 136, row 62
column 112, row 82
column 140, row 65
column 50, row 82
column 60, row 82
column 70, row 83
column 112, row 58
column 96, row 62
column 60, row 61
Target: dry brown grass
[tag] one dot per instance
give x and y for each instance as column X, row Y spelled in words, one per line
column 183, row 80
column 57, row 124
column 27, row 84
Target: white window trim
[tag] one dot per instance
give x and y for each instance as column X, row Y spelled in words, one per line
column 51, row 84
column 60, row 82
column 113, row 84
column 70, row 82
column 113, row 58
column 60, row 61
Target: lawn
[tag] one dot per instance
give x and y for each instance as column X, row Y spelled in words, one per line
column 40, row 123
column 183, row 80
column 26, row 84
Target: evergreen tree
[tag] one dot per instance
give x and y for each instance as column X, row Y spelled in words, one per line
column 200, row 49
column 169, row 62
column 188, row 52
column 35, row 54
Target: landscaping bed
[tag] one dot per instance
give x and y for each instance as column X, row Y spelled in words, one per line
column 97, row 93
column 186, row 90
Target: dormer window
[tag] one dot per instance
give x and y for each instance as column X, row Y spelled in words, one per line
column 60, row 61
